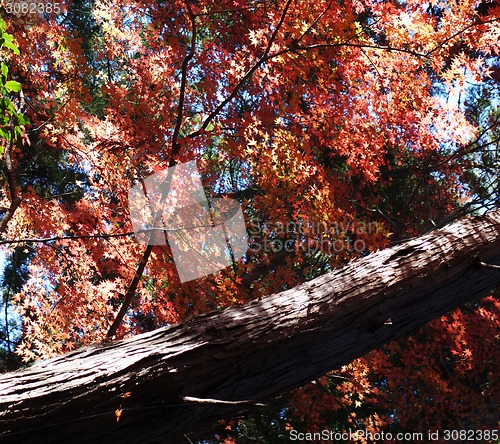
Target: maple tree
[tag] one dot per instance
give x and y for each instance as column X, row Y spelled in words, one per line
column 341, row 127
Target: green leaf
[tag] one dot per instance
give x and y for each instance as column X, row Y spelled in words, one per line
column 5, row 134
column 12, row 47
column 5, row 69
column 12, row 85
column 7, row 106
column 22, row 119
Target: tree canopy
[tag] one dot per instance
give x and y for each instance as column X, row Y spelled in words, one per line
column 341, row 128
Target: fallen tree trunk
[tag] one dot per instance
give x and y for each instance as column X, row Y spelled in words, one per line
column 252, row 352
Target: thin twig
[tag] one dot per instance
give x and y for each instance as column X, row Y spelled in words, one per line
column 46, row 122
column 485, row 265
column 348, row 44
column 225, row 11
column 192, row 399
column 129, row 295
column 314, row 23
column 182, row 93
column 43, row 240
column 440, row 45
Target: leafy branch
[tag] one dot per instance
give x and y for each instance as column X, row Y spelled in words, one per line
column 11, row 122
column 458, row 33
column 265, row 57
column 130, row 293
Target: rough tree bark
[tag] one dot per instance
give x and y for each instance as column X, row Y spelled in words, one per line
column 250, row 352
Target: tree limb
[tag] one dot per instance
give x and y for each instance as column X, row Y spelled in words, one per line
column 251, row 352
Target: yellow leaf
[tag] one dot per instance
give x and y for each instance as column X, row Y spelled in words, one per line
column 118, row 413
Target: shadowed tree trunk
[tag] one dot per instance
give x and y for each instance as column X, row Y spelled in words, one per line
column 251, row 352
